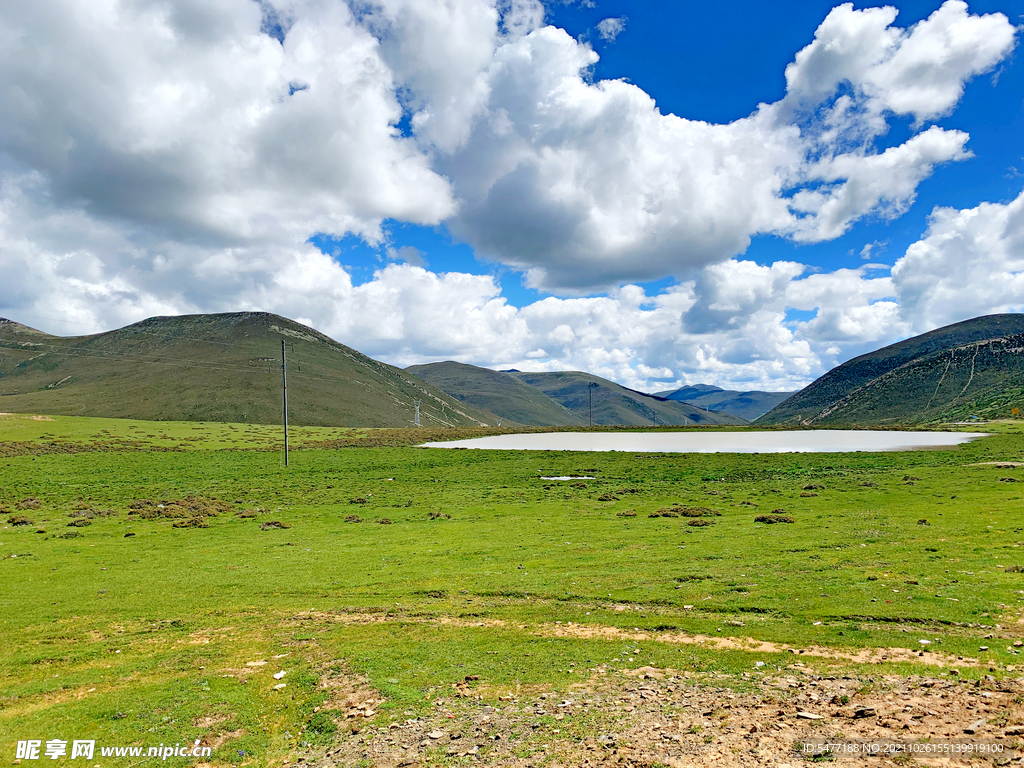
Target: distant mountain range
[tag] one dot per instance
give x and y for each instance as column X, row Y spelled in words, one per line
column 500, row 393
column 969, row 369
column 567, row 398
column 224, row 367
column 747, row 405
column 615, row 404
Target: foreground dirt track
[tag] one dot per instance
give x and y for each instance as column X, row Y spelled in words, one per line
column 650, row 717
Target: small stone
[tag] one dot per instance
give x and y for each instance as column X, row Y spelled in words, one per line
column 862, row 712
column 279, row 675
column 435, row 734
column 1017, row 730
column 975, row 727
column 808, row 715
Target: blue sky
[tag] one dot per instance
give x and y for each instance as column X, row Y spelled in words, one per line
column 717, row 62
column 663, row 193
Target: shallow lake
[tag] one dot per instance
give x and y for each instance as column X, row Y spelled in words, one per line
column 695, row 441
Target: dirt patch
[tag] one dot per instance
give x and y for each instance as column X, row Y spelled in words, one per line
column 272, row 524
column 189, row 508
column 667, row 717
column 220, row 739
column 682, row 511
column 208, row 721
column 863, row 656
column 748, row 644
column 773, row 518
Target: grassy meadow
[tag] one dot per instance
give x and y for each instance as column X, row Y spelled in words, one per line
column 388, row 575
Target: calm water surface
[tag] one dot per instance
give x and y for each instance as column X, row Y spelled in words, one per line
column 693, row 441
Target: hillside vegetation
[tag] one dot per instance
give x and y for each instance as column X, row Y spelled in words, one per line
column 223, row 367
column 615, row 404
column 973, row 368
column 497, row 392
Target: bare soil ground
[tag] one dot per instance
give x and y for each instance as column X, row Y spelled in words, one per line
column 650, row 717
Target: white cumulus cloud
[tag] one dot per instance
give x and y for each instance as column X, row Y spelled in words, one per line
column 177, row 156
column 970, row 262
column 611, row 28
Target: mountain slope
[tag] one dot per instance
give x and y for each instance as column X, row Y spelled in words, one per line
column 747, row 405
column 497, row 392
column 948, row 373
column 224, row 367
column 615, row 404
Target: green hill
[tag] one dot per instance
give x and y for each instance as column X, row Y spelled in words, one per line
column 497, row 392
column 615, row 404
column 973, row 368
column 747, row 405
column 223, row 367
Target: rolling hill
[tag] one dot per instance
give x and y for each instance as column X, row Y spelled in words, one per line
column 615, row 404
column 500, row 393
column 747, row 405
column 222, row 367
column 972, row 368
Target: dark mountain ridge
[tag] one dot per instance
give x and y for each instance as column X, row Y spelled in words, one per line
column 216, row 367
column 971, row 368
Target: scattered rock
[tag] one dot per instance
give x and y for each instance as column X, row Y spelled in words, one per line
column 974, row 727
column 862, row 712
column 808, row 715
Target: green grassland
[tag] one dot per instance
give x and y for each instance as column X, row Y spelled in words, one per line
column 402, row 570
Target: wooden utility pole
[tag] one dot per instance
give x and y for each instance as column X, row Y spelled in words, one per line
column 590, row 391
column 284, row 400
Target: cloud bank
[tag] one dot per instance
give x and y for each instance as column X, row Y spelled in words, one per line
column 169, row 157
